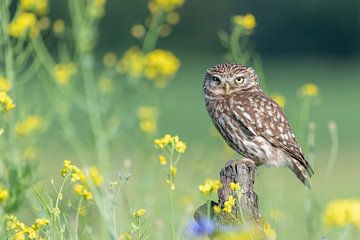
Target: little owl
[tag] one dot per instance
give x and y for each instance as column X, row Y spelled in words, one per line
column 249, row 121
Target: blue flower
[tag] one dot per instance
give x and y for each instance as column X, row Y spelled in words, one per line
column 201, row 228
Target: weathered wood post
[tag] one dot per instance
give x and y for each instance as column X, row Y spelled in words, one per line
column 242, row 172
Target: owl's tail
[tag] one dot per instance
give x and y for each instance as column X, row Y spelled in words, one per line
column 302, row 170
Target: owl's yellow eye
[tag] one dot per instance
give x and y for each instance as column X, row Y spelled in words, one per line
column 239, row 80
column 216, row 80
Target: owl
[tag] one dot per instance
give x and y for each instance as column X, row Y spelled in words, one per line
column 250, row 122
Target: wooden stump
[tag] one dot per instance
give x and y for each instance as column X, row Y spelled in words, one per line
column 247, row 209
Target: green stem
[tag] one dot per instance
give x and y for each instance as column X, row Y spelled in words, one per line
column 153, row 33
column 77, row 218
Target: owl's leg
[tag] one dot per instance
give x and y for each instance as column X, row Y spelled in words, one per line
column 234, row 163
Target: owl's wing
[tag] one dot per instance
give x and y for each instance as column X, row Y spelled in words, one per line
column 262, row 116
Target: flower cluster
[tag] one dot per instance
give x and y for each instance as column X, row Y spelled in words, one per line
column 24, row 23
column 148, row 117
column 139, row 213
column 20, row 231
column 171, row 142
column 246, row 21
column 228, row 204
column 342, row 212
column 64, row 72
column 4, row 84
column 82, row 191
column 6, row 103
column 210, row 186
column 309, row 89
column 39, row 7
column 70, row 170
column 157, row 65
column 97, row 8
column 156, row 6
column 4, row 195
column 30, row 125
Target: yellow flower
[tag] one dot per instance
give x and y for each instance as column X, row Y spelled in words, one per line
column 109, row 59
column 59, row 26
column 6, row 102
column 162, row 159
column 64, row 72
column 173, row 18
column 342, row 212
column 180, row 147
column 30, row 232
column 171, row 184
column 173, row 170
column 210, row 186
column 4, row 195
column 310, row 90
column 41, row 222
column 164, row 5
column 247, row 21
column 148, row 126
column 30, row 125
column 132, row 63
column 82, row 191
column 97, row 8
column 4, row 84
column 105, row 85
column 216, row 209
column 148, row 117
column 229, row 204
column 160, row 66
column 19, row 236
column 139, row 213
column 234, row 186
column 22, row 24
column 269, row 231
column 38, row 6
column 13, row 224
column 71, row 170
column 137, row 31
column 95, row 176
column 279, row 99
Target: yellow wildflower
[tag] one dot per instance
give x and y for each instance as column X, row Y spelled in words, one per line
column 19, row 236
column 162, row 160
column 132, row 62
column 4, row 195
column 173, row 18
column 310, row 90
column 229, row 204
column 22, row 24
column 246, row 21
column 279, row 99
column 13, row 224
column 173, row 170
column 105, row 85
column 6, row 102
column 109, row 59
column 269, row 231
column 148, row 126
column 137, row 31
column 41, row 222
column 234, row 186
column 216, row 209
column 71, row 170
column 4, row 84
column 95, row 176
column 171, row 184
column 31, row 233
column 64, row 72
column 164, row 5
column 342, row 212
column 59, row 26
column 148, row 117
column 180, row 147
column 210, row 186
column 139, row 213
column 30, row 125
column 165, row 30
column 38, row 6
column 97, row 8
column 82, row 191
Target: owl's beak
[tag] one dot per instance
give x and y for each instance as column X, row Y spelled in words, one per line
column 226, row 88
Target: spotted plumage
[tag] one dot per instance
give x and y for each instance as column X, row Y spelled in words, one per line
column 249, row 121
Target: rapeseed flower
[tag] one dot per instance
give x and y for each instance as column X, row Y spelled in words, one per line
column 139, row 213
column 6, row 102
column 234, row 186
column 30, row 125
column 132, row 63
column 82, row 191
column 70, row 170
column 309, row 89
column 39, row 7
column 138, row 31
column 210, row 186
column 64, row 72
column 228, row 205
column 4, row 195
column 246, row 21
column 342, row 212
column 95, row 176
column 148, row 118
column 4, row 84
column 23, row 23
column 162, row 159
column 164, row 5
column 279, row 99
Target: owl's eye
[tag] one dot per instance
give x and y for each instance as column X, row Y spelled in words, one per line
column 216, row 80
column 239, row 80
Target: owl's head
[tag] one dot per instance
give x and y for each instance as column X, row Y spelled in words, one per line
column 224, row 79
